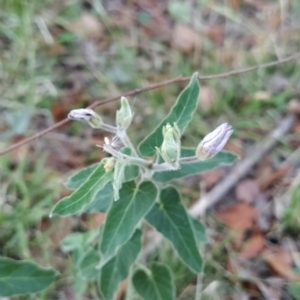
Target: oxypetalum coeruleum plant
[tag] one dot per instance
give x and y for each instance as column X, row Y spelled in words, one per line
column 132, row 186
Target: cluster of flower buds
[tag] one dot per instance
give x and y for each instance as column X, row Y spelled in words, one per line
column 214, row 142
column 170, row 148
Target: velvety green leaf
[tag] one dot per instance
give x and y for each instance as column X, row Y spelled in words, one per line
column 102, row 201
column 117, row 269
column 84, row 194
column 76, row 180
column 181, row 113
column 192, row 168
column 171, row 219
column 23, row 277
column 125, row 214
column 199, row 231
column 154, row 284
column 87, row 265
column 81, row 176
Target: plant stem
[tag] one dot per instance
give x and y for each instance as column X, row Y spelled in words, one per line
column 109, row 128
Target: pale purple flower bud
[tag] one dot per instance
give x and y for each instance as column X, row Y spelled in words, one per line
column 214, row 142
column 86, row 114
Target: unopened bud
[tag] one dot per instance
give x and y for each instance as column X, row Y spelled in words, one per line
column 214, row 142
column 109, row 164
column 170, row 148
column 86, row 114
column 124, row 114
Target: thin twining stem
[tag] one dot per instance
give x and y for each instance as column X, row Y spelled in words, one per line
column 152, row 87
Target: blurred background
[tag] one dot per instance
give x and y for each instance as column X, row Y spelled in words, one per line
column 57, row 55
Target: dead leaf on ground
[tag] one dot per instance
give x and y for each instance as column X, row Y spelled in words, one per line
column 206, row 99
column 216, row 33
column 273, row 178
column 87, row 26
column 93, row 220
column 121, row 289
column 185, row 38
column 296, row 127
column 235, row 146
column 64, row 225
column 247, row 191
column 239, row 216
column 253, row 246
column 211, row 177
column 280, row 261
column 294, row 106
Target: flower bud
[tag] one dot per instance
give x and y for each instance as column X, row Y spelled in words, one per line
column 214, row 142
column 109, row 164
column 170, row 148
column 86, row 114
column 124, row 114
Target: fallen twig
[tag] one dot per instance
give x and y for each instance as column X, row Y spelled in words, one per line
column 241, row 169
column 152, row 87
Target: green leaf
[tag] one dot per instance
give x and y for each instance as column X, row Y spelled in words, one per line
column 117, row 269
column 154, row 284
column 81, row 176
column 84, row 194
column 189, row 169
column 102, row 201
column 23, row 277
column 76, row 180
column 88, row 263
column 199, row 231
column 171, row 219
column 124, row 215
column 181, row 113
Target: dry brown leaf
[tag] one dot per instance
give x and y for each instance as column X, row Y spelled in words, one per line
column 211, row 177
column 239, row 216
column 185, row 38
column 64, row 225
column 121, row 289
column 294, row 106
column 93, row 220
column 87, row 26
column 273, row 178
column 247, row 191
column 125, row 17
column 252, row 247
column 206, row 99
column 280, row 261
column 235, row 146
column 216, row 33
column 296, row 127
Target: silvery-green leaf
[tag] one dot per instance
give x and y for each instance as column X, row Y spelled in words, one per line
column 84, row 194
column 156, row 283
column 195, row 167
column 170, row 218
column 181, row 113
column 124, row 216
column 117, row 268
